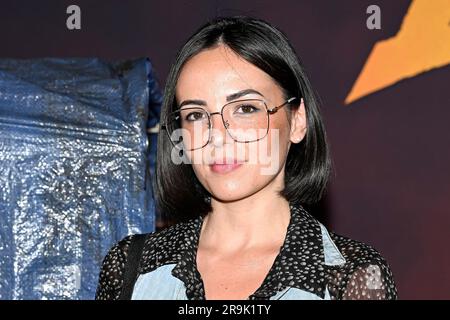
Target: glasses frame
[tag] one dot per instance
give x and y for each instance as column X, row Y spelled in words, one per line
column 225, row 124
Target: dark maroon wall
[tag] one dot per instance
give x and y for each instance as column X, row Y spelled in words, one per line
column 390, row 149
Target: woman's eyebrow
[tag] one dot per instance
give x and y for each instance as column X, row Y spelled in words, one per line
column 196, row 102
column 229, row 98
column 242, row 93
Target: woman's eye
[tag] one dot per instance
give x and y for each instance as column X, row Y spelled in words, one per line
column 246, row 108
column 194, row 116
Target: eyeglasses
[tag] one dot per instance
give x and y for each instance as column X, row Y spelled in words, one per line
column 244, row 120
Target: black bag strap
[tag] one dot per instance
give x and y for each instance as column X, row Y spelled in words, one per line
column 131, row 266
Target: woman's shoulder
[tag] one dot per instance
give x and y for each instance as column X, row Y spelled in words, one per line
column 169, row 236
column 112, row 270
column 158, row 248
column 365, row 274
column 355, row 252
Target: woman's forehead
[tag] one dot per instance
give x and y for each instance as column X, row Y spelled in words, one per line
column 215, row 74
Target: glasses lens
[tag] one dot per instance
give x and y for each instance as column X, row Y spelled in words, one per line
column 246, row 120
column 188, row 128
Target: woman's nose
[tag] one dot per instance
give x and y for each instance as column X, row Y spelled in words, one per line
column 218, row 130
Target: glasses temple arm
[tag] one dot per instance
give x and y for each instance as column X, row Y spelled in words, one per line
column 288, row 101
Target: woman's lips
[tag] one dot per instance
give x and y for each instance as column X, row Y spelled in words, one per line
column 225, row 167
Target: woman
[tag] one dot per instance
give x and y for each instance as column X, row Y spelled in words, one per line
column 244, row 152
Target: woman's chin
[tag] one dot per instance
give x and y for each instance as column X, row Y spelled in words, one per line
column 228, row 198
column 227, row 193
column 233, row 186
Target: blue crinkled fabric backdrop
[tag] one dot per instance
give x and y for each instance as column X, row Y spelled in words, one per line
column 75, row 172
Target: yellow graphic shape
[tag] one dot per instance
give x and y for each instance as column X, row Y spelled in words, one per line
column 422, row 44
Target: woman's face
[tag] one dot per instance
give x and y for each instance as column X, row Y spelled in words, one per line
column 232, row 170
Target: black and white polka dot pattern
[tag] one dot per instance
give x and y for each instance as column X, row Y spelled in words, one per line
column 300, row 263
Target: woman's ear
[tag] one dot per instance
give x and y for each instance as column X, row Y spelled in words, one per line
column 298, row 123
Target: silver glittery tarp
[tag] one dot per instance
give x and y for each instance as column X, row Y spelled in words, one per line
column 73, row 164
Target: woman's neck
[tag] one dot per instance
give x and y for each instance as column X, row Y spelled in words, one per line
column 255, row 222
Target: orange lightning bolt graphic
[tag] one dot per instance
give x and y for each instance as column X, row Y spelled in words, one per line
column 422, row 44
